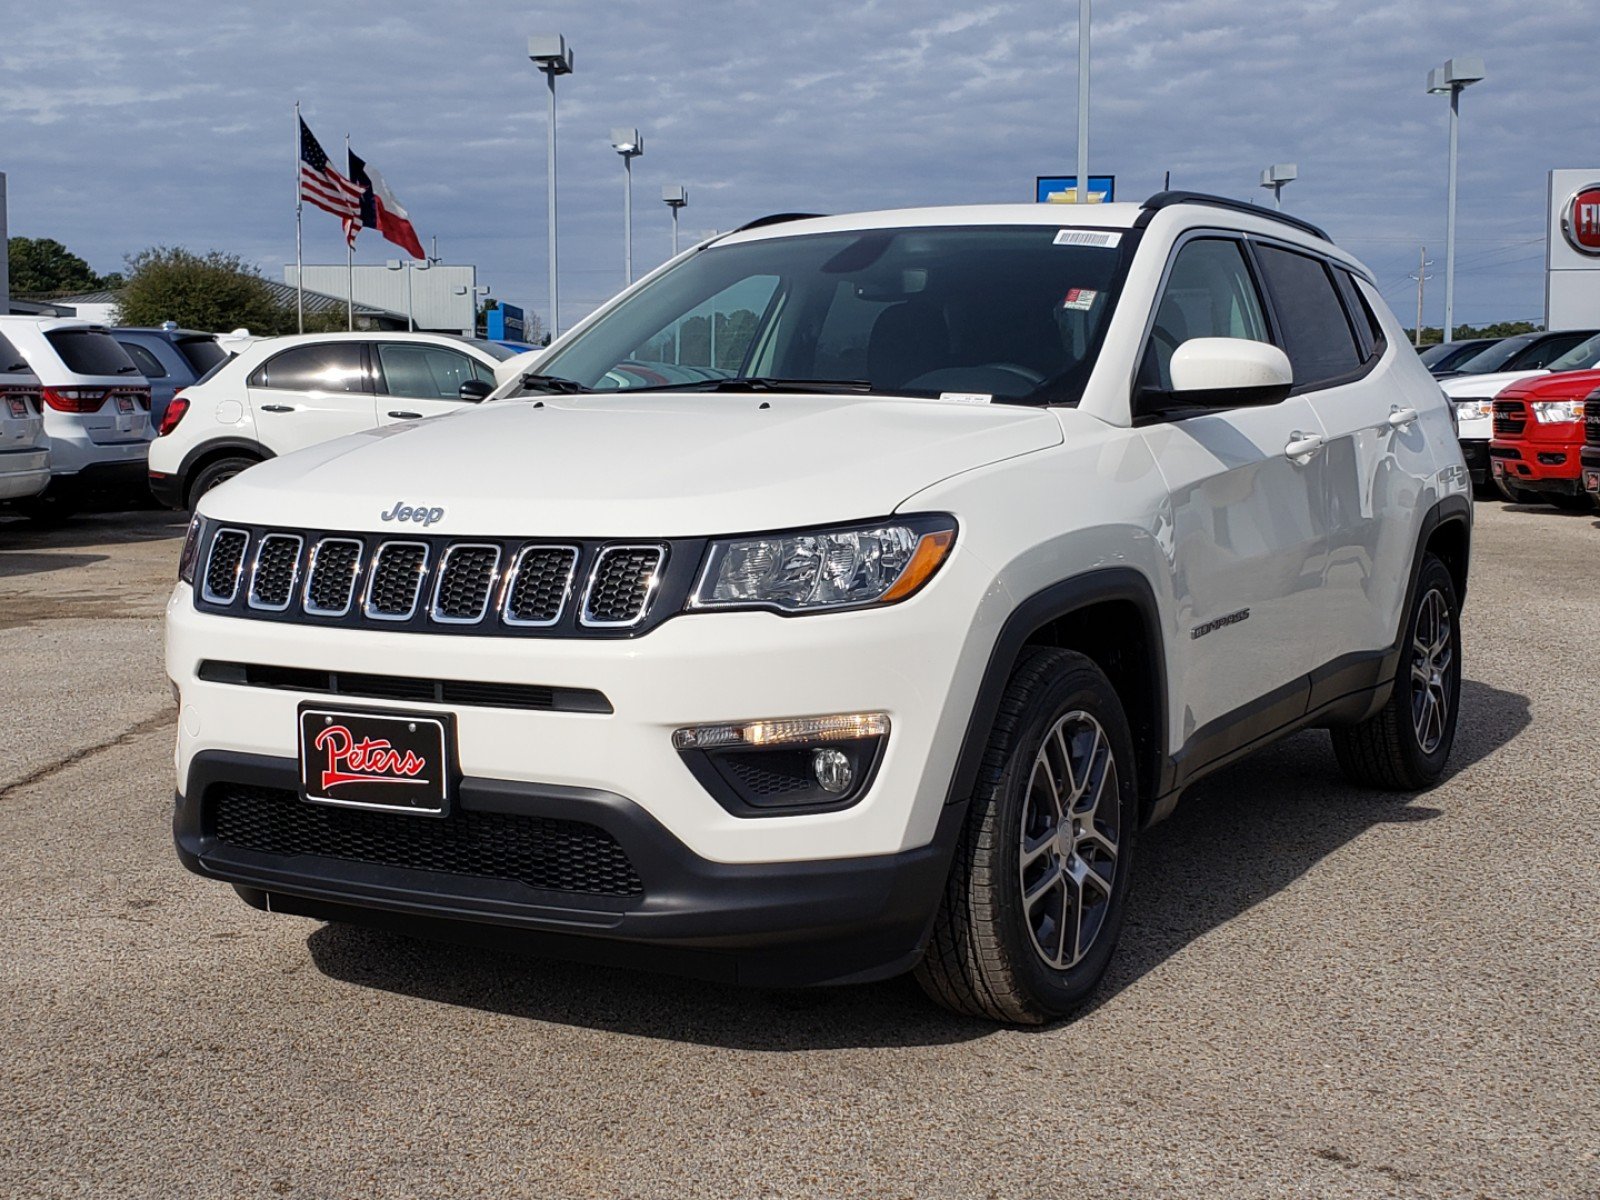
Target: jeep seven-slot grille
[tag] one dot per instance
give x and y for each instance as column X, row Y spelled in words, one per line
column 225, row 565
column 490, row 586
column 1510, row 417
column 277, row 563
column 1591, row 421
column 539, row 852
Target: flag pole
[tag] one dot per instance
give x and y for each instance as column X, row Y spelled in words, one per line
column 299, row 268
column 349, row 258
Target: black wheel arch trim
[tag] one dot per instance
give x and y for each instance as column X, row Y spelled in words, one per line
column 217, row 448
column 1053, row 603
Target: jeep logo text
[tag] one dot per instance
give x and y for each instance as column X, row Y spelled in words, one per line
column 416, row 513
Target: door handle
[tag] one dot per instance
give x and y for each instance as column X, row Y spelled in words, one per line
column 277, row 408
column 1399, row 418
column 404, row 416
column 1303, row 445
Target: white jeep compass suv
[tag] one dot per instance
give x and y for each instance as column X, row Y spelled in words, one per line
column 840, row 600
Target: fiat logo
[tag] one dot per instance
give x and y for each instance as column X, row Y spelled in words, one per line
column 1580, row 220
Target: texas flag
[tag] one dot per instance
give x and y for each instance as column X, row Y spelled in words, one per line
column 379, row 210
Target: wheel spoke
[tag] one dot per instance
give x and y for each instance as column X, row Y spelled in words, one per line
column 1032, row 850
column 1042, row 766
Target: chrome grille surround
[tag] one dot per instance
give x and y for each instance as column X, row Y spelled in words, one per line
column 226, row 544
column 478, row 581
column 624, row 594
column 412, row 558
column 265, row 590
column 326, row 562
column 522, row 580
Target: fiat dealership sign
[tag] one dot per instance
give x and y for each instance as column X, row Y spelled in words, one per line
column 1580, row 219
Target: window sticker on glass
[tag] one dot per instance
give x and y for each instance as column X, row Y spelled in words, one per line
column 1080, row 299
column 968, row 397
column 1087, row 237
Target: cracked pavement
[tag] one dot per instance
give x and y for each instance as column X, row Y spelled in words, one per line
column 1319, row 992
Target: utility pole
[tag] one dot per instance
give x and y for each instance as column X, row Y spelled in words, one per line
column 1423, row 263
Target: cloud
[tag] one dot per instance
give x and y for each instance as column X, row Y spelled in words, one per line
column 126, row 128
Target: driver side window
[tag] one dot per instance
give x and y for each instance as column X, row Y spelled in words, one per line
column 1209, row 293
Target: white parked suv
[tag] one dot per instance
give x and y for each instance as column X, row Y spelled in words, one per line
column 985, row 534
column 283, row 394
column 96, row 408
column 24, row 445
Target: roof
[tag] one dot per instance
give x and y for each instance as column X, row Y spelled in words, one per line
column 282, row 293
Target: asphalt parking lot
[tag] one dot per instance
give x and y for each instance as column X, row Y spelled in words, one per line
column 1320, row 991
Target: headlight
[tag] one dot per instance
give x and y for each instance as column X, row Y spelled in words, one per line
column 191, row 548
column 1551, row 412
column 819, row 570
column 1470, row 410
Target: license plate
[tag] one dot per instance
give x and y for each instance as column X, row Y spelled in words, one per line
column 390, row 761
column 19, row 408
column 1498, row 466
column 124, row 404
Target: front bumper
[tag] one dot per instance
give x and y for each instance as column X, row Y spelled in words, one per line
column 1538, row 464
column 1476, row 452
column 773, row 924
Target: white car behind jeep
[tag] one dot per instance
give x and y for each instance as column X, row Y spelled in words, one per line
column 841, row 600
column 95, row 405
column 278, row 395
column 24, row 445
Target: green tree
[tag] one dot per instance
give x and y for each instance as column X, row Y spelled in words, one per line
column 44, row 267
column 210, row 291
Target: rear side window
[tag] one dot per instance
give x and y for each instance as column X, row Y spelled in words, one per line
column 149, row 365
column 335, row 367
column 10, row 359
column 1316, row 332
column 90, row 352
column 201, row 353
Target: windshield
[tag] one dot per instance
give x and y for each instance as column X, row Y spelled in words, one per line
column 1581, row 357
column 1497, row 355
column 493, row 349
column 1006, row 312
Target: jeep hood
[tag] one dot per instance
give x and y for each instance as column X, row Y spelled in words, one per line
column 662, row 465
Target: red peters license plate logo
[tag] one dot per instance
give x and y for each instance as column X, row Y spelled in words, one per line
column 373, row 760
column 365, row 760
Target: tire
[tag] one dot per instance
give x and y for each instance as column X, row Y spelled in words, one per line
column 991, row 954
column 215, row 473
column 1404, row 746
column 1513, row 493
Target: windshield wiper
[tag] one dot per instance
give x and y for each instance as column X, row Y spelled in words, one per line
column 760, row 383
column 534, row 381
column 128, row 370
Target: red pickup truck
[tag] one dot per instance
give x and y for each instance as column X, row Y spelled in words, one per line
column 1589, row 456
column 1535, row 455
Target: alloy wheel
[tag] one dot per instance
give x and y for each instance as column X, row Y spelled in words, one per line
column 1071, row 832
column 1432, row 661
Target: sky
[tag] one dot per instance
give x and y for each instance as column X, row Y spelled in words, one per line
column 125, row 126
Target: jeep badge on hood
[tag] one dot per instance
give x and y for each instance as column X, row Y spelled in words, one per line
column 419, row 513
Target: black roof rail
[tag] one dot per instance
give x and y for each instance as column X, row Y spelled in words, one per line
column 1167, row 199
column 776, row 219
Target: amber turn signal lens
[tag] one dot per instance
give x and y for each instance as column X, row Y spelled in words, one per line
column 925, row 560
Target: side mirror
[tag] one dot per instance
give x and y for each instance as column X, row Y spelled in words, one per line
column 475, row 390
column 1229, row 373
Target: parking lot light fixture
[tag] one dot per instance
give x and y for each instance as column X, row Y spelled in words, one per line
column 1449, row 80
column 630, row 145
column 551, row 54
column 675, row 196
column 1275, row 177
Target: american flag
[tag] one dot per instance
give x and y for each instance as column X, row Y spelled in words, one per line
column 321, row 184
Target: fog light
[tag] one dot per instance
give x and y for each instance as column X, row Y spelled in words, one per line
column 832, row 769
column 839, row 727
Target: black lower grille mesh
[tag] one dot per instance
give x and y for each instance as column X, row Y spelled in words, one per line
column 539, row 852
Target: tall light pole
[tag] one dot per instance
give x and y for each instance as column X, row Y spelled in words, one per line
column 1083, row 102
column 551, row 54
column 675, row 196
column 630, row 145
column 1449, row 79
column 1275, row 177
